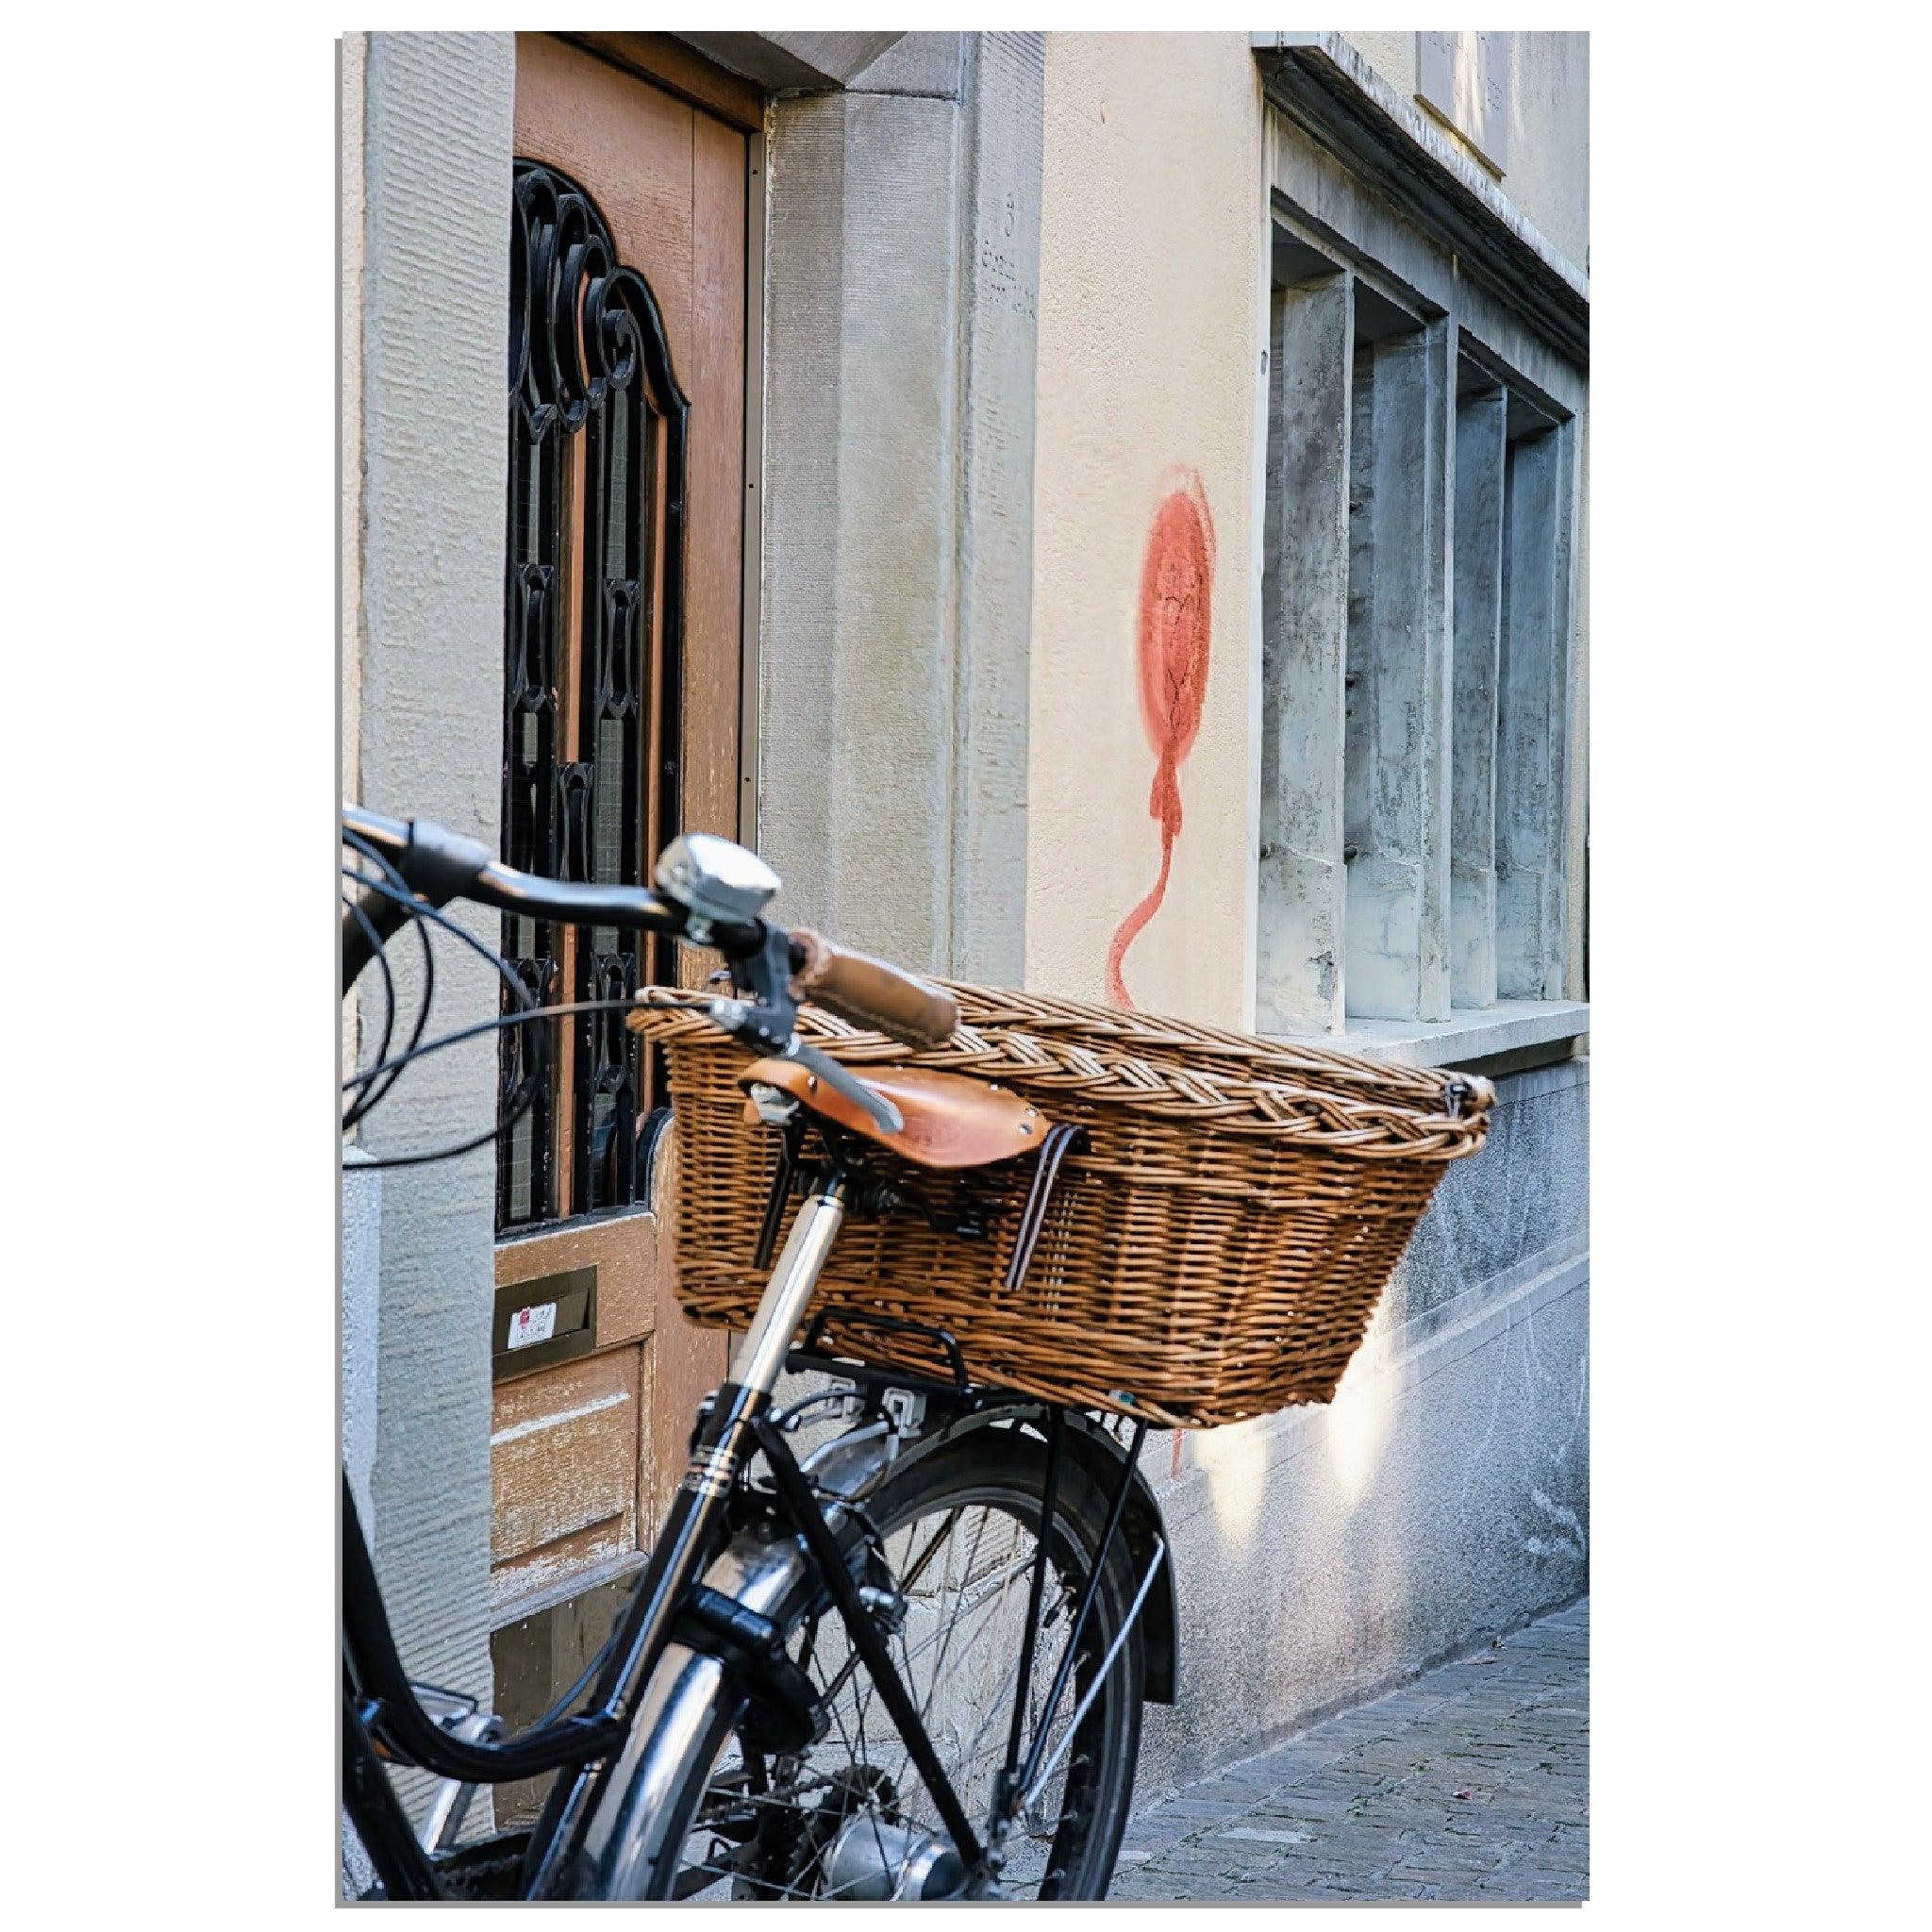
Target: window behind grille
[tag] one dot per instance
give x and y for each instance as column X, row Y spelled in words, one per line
column 592, row 632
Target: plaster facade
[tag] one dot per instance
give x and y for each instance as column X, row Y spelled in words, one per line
column 1443, row 1497
column 352, row 212
column 1152, row 321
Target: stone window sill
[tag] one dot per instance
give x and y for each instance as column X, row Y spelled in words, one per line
column 1510, row 1035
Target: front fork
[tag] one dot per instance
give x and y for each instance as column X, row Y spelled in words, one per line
column 615, row 1817
column 605, row 1812
column 724, row 1442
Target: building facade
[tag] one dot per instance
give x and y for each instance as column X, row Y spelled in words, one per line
column 1100, row 512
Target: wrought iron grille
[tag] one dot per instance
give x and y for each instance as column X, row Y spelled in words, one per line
column 593, row 667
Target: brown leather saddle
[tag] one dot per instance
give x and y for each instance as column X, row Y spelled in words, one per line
column 950, row 1120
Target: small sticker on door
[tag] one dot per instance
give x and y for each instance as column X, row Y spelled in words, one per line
column 528, row 1326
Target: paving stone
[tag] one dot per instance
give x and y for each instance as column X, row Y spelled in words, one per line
column 1296, row 1803
column 1504, row 1890
column 1267, row 1836
column 1440, row 1864
column 1364, row 1807
column 1135, row 1887
column 1340, row 1784
column 1271, row 1774
column 1151, row 1885
column 1198, row 1804
column 1284, row 1891
column 1156, row 1834
column 1222, row 1860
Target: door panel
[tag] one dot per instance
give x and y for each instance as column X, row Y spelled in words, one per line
column 630, row 144
column 563, row 1475
column 623, row 1251
column 584, row 1452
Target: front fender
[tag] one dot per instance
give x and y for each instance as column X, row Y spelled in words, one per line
column 1100, row 1459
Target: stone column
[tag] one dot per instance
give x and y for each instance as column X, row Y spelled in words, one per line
column 1399, row 649
column 901, row 260
column 1304, row 649
column 1480, row 427
column 1533, row 718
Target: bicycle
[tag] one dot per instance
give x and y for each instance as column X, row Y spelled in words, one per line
column 983, row 1573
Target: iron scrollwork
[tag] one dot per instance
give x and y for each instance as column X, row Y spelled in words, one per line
column 593, row 589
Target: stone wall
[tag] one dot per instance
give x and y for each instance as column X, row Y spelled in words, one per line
column 1322, row 1553
column 1548, row 176
column 1443, row 1497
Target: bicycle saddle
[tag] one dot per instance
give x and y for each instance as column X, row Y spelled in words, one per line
column 951, row 1121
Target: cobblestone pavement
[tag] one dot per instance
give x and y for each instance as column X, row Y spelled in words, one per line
column 1469, row 1784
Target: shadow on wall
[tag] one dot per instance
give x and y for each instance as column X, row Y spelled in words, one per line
column 1175, row 620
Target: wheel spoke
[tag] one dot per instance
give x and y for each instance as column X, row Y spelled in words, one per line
column 959, row 1567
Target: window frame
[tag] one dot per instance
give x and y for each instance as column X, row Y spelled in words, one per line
column 1334, row 239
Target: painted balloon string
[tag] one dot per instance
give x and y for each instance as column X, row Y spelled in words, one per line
column 1177, row 578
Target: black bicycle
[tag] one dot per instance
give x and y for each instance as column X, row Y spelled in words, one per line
column 908, row 1664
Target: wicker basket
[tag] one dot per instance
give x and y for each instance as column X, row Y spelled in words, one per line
column 1215, row 1251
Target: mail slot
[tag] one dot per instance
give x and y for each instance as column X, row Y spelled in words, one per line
column 551, row 1319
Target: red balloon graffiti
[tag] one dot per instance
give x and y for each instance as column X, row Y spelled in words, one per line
column 1176, row 583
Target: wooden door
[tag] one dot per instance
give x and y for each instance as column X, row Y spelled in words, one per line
column 625, row 648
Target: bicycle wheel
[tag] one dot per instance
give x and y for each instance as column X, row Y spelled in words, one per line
column 850, row 1816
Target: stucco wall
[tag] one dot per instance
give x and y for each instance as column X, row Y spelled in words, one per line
column 1549, row 138
column 423, row 618
column 351, row 212
column 352, row 55
column 1153, row 287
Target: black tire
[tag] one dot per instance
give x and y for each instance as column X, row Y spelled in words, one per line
column 1065, row 1849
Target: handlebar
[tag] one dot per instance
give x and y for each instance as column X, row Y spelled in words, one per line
column 442, row 865
column 870, row 993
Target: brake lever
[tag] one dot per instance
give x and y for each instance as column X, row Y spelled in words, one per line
column 751, row 1025
column 841, row 1081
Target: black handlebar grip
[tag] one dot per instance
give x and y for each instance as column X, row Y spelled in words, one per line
column 869, row 992
column 440, row 864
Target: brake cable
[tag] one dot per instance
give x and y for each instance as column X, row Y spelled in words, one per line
column 521, row 1102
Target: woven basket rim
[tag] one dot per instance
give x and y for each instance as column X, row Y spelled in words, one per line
column 1319, row 1098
